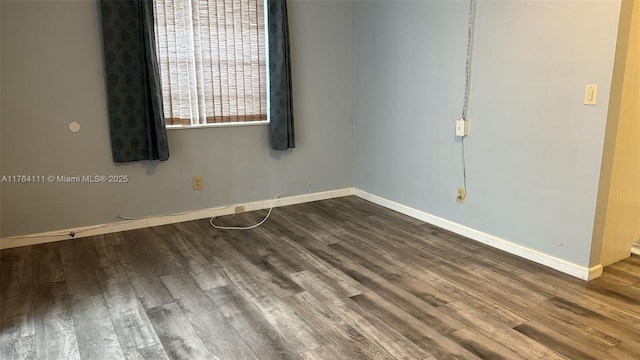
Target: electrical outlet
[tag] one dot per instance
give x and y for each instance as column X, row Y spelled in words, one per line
column 197, row 183
column 240, row 209
column 460, row 195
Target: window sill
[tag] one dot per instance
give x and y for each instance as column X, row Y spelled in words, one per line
column 217, row 125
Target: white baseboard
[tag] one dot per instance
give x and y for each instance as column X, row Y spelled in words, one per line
column 553, row 262
column 493, row 241
column 81, row 232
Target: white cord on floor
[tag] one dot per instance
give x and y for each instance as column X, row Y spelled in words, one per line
column 246, row 227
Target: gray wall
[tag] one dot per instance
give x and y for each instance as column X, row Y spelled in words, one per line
column 52, row 74
column 534, row 149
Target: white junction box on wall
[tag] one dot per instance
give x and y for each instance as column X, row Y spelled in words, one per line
column 462, row 128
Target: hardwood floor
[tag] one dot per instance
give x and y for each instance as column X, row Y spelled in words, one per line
column 335, row 279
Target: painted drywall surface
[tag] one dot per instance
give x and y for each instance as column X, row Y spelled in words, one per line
column 53, row 74
column 622, row 220
column 0, row 115
column 534, row 150
column 611, row 131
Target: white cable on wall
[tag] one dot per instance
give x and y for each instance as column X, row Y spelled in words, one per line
column 467, row 84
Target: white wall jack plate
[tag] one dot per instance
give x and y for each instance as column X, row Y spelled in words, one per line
column 462, row 127
column 591, row 94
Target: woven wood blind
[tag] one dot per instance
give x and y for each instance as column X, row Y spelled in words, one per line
column 212, row 60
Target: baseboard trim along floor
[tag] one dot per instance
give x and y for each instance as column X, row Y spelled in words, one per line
column 553, row 262
column 561, row 265
column 108, row 228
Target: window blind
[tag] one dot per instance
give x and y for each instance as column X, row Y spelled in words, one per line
column 212, row 60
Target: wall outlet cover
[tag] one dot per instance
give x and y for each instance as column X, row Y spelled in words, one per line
column 461, row 193
column 197, row 182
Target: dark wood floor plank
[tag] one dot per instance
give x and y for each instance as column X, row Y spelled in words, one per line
column 211, row 326
column 16, row 254
column 364, row 208
column 372, row 281
column 407, row 261
column 132, row 326
column 16, row 297
column 601, row 327
column 621, row 276
column 276, row 312
column 482, row 346
column 142, row 274
column 297, row 241
column 485, row 287
column 205, row 273
column 424, row 235
column 47, row 264
column 421, row 334
column 178, row 337
column 623, row 351
column 518, row 289
column 400, row 229
column 328, row 260
column 55, row 336
column 102, row 253
column 153, row 245
column 559, row 341
column 302, row 217
column 165, row 229
column 115, row 239
column 402, row 243
column 78, row 269
column 629, row 266
column 153, row 352
column 198, row 234
column 403, row 278
column 318, row 218
column 22, row 348
column 324, row 352
column 574, row 328
column 263, row 241
column 251, row 325
column 367, row 324
column 110, row 274
column 16, row 318
column 341, row 335
column 507, row 337
column 276, row 260
column 576, row 292
column 276, row 243
column 470, row 297
column 95, row 333
column 618, row 291
column 597, row 291
column 150, row 291
column 241, row 247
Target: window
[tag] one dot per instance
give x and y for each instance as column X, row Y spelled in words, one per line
column 212, row 60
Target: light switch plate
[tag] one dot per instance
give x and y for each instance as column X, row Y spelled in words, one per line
column 590, row 94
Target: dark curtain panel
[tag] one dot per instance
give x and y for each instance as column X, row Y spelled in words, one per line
column 136, row 119
column 281, row 115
